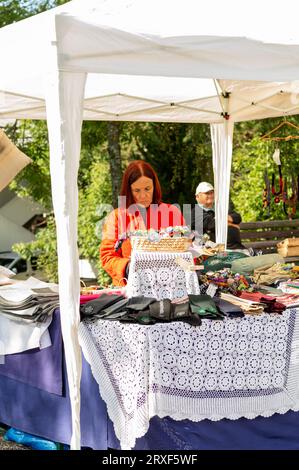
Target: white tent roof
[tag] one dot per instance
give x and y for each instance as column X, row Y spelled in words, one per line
column 158, row 60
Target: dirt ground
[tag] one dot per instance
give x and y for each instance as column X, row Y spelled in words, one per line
column 7, row 445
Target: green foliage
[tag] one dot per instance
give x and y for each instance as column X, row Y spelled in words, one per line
column 34, row 181
column 93, row 148
column 94, row 201
column 16, row 10
column 181, row 155
column 251, row 157
column 93, row 207
column 45, row 248
column 249, row 163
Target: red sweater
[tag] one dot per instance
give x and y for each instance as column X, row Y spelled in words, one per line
column 121, row 221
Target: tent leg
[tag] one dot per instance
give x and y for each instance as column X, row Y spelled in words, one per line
column 222, row 138
column 64, row 101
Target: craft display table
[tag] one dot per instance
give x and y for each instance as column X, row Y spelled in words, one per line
column 230, row 369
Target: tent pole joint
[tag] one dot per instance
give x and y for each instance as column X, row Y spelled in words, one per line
column 225, row 115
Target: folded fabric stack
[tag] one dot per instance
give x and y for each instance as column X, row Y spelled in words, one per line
column 290, row 287
column 289, row 300
column 269, row 302
column 272, row 273
column 228, row 309
column 104, row 305
column 204, row 306
column 247, row 306
column 269, row 290
column 88, row 294
column 6, row 276
column 35, row 307
column 247, row 265
column 26, row 310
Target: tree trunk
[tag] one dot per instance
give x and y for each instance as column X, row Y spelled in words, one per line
column 114, row 159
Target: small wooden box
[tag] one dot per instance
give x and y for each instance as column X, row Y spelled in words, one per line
column 288, row 247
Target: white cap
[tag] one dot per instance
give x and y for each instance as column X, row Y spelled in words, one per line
column 203, row 188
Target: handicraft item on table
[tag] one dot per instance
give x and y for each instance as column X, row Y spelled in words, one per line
column 170, row 239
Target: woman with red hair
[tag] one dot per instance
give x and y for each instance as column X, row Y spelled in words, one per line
column 140, row 208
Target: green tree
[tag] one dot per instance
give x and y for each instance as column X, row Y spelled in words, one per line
column 93, row 208
column 180, row 153
column 16, row 10
column 114, row 150
column 34, row 181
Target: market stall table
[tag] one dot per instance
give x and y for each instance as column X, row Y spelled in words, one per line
column 39, row 412
column 234, row 368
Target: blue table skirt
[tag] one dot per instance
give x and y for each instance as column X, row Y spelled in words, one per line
column 39, row 368
column 39, row 412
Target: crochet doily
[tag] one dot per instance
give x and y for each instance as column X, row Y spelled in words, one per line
column 158, row 275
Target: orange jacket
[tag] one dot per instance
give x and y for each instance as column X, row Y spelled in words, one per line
column 121, row 221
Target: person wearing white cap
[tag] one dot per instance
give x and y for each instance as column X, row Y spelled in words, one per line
column 203, row 215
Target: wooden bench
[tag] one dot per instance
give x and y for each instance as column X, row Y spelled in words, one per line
column 265, row 235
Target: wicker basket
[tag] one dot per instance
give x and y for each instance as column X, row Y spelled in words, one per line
column 165, row 244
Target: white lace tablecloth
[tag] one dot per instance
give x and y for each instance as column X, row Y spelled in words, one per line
column 245, row 367
column 156, row 274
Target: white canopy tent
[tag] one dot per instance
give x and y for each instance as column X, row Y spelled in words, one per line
column 160, row 60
